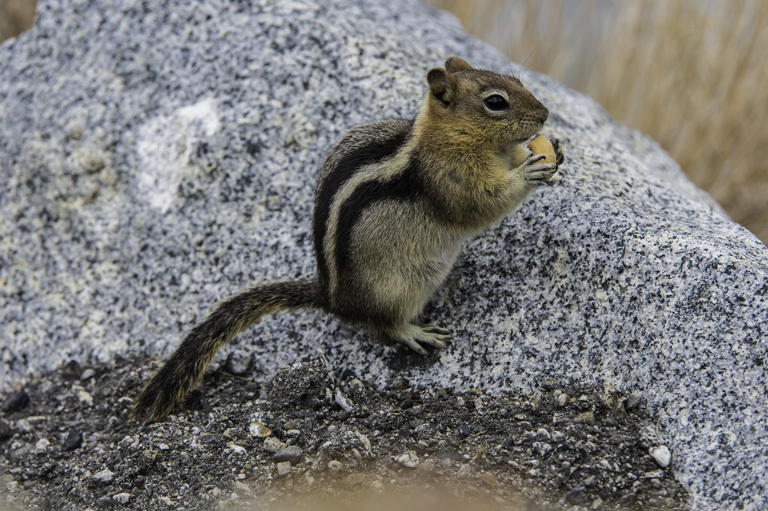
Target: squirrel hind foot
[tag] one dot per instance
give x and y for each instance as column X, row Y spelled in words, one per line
column 414, row 336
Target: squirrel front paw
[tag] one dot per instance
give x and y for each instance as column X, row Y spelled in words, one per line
column 559, row 159
column 538, row 173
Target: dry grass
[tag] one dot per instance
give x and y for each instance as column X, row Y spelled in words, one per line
column 692, row 74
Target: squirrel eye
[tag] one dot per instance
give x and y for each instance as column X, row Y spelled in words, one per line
column 495, row 102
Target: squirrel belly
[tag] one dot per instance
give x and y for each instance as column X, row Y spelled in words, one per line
column 394, row 201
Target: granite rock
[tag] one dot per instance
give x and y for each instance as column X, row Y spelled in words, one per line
column 157, row 157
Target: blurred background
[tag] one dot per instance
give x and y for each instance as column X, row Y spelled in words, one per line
column 692, row 74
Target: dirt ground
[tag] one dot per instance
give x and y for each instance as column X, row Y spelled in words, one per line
column 321, row 437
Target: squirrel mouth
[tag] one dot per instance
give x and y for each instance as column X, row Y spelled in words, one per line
column 524, row 143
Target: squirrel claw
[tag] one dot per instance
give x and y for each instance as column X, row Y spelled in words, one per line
column 539, row 173
column 414, row 336
column 559, row 156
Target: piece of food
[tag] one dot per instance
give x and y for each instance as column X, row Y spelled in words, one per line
column 542, row 145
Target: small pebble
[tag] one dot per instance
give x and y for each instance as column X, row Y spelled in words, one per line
column 632, row 402
column 104, row 476
column 73, row 441
column 87, row 374
column 273, row 445
column 364, row 440
column 5, row 431
column 342, row 401
column 586, row 418
column 575, row 496
column 426, row 467
column 18, row 402
column 549, row 384
column 408, row 459
column 292, row 454
column 283, row 468
column 661, row 454
column 71, row 370
column 489, row 480
column 465, row 471
column 238, row 364
column 464, row 431
column 85, row 397
column 24, row 426
column 122, row 498
column 237, row 449
column 541, row 448
column 401, row 384
column 259, row 430
column 335, row 466
column 535, row 400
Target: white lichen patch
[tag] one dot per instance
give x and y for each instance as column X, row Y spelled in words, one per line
column 164, row 146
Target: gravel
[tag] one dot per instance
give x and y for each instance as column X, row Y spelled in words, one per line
column 529, row 452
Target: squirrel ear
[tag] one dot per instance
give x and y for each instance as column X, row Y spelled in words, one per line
column 441, row 85
column 453, row 64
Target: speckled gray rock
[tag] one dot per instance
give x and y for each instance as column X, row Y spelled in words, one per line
column 157, row 157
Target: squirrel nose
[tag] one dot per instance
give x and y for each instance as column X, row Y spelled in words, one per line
column 543, row 114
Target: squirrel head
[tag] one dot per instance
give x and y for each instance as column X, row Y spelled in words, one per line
column 480, row 107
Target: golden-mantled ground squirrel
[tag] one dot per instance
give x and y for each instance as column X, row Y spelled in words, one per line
column 394, row 201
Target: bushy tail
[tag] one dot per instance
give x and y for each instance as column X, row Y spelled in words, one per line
column 186, row 366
